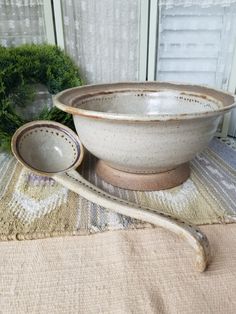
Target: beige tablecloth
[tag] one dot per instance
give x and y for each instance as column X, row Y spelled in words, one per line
column 139, row 271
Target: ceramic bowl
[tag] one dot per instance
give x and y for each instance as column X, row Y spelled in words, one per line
column 145, row 128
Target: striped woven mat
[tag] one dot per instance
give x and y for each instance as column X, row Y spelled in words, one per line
column 35, row 207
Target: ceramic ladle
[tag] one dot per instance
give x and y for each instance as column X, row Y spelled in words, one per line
column 51, row 149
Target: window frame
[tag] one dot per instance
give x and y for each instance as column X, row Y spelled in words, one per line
column 49, row 22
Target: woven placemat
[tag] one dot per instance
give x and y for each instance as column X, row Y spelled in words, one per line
column 35, row 207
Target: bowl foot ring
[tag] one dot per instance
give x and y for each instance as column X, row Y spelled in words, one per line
column 143, row 182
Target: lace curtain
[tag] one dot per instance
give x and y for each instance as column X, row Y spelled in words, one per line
column 103, row 38
column 21, row 21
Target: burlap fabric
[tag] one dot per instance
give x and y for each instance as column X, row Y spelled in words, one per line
column 35, row 207
column 127, row 272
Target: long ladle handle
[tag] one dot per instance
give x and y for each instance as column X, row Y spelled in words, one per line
column 199, row 242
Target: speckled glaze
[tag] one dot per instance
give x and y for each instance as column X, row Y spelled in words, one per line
column 146, row 127
column 47, row 147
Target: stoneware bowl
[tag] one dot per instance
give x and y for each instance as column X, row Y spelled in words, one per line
column 144, row 134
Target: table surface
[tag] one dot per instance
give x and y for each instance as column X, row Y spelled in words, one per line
column 138, row 271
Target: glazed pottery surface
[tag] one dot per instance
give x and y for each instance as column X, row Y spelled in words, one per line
column 146, row 127
column 47, row 147
column 51, row 149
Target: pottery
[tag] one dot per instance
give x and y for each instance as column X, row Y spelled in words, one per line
column 51, row 149
column 145, row 129
column 47, row 147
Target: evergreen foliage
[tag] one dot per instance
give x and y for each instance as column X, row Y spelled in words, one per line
column 20, row 68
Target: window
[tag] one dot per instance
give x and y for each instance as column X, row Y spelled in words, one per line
column 196, row 44
column 183, row 40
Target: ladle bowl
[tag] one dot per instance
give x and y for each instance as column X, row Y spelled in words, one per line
column 47, row 147
column 51, row 149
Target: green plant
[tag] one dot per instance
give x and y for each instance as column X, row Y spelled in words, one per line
column 20, row 68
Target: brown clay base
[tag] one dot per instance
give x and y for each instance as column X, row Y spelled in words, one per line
column 143, row 182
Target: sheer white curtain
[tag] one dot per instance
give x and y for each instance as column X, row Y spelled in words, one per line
column 21, row 21
column 103, row 37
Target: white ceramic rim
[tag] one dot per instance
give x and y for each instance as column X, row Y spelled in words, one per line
column 142, row 118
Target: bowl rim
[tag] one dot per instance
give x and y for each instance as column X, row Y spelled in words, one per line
column 64, row 100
